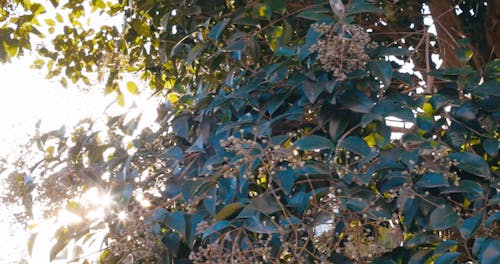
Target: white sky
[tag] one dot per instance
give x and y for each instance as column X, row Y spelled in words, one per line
column 28, row 97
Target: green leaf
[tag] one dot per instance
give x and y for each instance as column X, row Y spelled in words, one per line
column 50, row 22
column 286, row 180
column 493, row 218
column 132, row 88
column 356, row 101
column 470, row 226
column 277, row 5
column 228, row 211
column 216, row 227
column 31, row 243
column 471, row 163
column 74, row 207
column 262, row 11
column 215, row 31
column 255, row 224
column 361, row 6
column 420, row 257
column 443, row 217
column 492, row 69
column 447, row 258
column 311, row 90
column 491, row 146
column 265, row 204
column 491, row 88
column 463, row 55
column 313, row 142
column 444, row 246
column 194, row 53
column 433, row 180
column 318, row 13
column 11, row 50
column 176, row 222
column 382, row 70
column 356, row 144
column 197, row 146
column 490, row 253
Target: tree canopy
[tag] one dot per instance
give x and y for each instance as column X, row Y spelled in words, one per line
column 290, row 131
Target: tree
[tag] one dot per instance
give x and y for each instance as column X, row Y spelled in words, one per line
column 274, row 143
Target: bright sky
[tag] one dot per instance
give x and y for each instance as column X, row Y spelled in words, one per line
column 28, row 97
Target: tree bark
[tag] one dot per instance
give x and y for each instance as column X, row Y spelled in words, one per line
column 449, row 30
column 492, row 25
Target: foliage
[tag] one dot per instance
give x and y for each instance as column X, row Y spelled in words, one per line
column 271, row 148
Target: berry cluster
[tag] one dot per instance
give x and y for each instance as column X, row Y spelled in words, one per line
column 342, row 51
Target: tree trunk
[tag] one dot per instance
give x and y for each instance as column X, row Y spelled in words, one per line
column 492, row 25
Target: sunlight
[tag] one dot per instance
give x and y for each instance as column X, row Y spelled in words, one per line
column 122, row 215
column 65, row 217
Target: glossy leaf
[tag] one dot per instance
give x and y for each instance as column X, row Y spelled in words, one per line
column 356, row 145
column 470, row 226
column 313, row 142
column 216, row 30
column 447, row 258
column 432, row 180
column 472, row 163
column 227, row 211
column 382, row 70
column 443, row 217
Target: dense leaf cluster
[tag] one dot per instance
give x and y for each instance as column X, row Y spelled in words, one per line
column 263, row 155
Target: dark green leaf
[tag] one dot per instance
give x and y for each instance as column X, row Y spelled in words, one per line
column 228, row 211
column 447, row 258
column 197, row 146
column 492, row 69
column 194, row 53
column 362, row 6
column 172, row 241
column 356, row 101
column 444, row 246
column 215, row 31
column 491, row 146
column 265, row 204
column 492, row 219
column 382, row 70
column 488, row 88
column 313, row 142
column 216, row 227
column 471, row 163
column 470, row 226
column 490, row 253
column 311, row 90
column 420, row 257
column 433, row 180
column 356, row 144
column 316, row 14
column 254, row 224
column 443, row 217
column 176, row 222
column 286, row 180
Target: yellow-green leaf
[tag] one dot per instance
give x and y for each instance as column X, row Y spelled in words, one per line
column 120, row 99
column 173, row 98
column 228, row 211
column 59, row 18
column 132, row 88
column 50, row 22
column 10, row 50
column 428, row 109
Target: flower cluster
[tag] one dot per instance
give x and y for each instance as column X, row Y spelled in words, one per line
column 135, row 236
column 342, row 51
column 273, row 157
column 227, row 249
